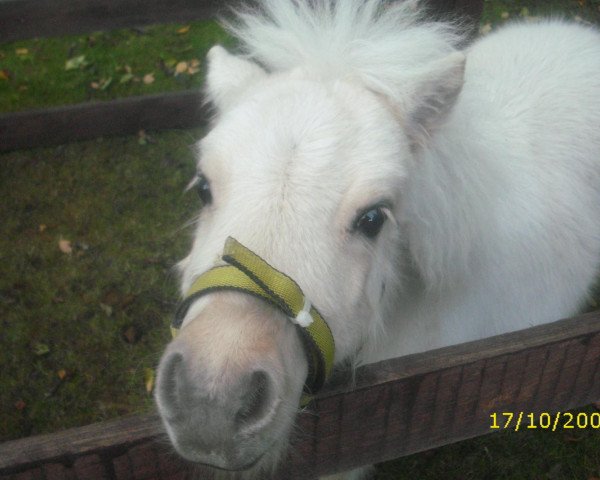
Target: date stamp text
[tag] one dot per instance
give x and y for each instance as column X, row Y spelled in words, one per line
column 545, row 421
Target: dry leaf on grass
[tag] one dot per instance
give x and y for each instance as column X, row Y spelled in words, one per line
column 107, row 309
column 101, row 84
column 181, row 67
column 22, row 51
column 40, row 349
column 190, row 67
column 76, row 63
column 126, row 78
column 149, row 78
column 131, row 334
column 183, row 30
column 65, row 246
column 149, row 379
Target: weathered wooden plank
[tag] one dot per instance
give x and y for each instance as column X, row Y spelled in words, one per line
column 394, row 408
column 21, row 19
column 55, row 126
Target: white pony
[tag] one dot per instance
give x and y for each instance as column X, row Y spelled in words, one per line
column 420, row 195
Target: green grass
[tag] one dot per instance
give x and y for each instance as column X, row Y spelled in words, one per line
column 35, row 73
column 81, row 330
column 122, row 207
column 499, row 11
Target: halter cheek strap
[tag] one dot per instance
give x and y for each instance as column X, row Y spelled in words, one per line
column 248, row 273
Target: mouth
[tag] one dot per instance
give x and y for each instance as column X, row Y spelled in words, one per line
column 233, row 467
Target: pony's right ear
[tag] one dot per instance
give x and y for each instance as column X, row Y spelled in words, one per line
column 228, row 76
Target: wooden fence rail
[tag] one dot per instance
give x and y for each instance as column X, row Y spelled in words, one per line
column 394, row 408
column 21, row 19
column 84, row 121
column 53, row 126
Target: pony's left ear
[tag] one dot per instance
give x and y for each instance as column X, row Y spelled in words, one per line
column 228, row 76
column 432, row 96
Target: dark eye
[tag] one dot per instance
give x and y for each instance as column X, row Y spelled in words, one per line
column 370, row 222
column 203, row 189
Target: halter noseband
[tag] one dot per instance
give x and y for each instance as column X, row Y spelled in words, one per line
column 248, row 273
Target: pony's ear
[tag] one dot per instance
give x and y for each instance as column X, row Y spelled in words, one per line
column 228, row 76
column 432, row 96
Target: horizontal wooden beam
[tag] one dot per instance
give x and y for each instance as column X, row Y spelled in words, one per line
column 55, row 126
column 20, row 19
column 393, row 408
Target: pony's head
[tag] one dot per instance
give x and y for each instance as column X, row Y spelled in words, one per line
column 315, row 131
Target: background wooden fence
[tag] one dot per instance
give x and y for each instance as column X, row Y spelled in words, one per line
column 396, row 407
column 53, row 126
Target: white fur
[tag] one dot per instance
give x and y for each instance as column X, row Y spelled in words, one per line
column 490, row 170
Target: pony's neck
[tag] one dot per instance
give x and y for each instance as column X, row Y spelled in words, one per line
column 449, row 200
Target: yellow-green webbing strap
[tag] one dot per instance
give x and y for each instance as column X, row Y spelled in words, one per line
column 249, row 273
column 225, row 277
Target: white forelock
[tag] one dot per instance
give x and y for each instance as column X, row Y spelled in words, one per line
column 376, row 42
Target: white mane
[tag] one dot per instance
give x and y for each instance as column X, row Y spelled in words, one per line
column 379, row 44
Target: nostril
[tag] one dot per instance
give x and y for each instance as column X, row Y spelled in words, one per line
column 256, row 400
column 168, row 382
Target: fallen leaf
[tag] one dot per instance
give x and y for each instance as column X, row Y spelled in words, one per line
column 20, row 405
column 105, row 83
column 181, row 67
column 149, row 379
column 4, row 74
column 76, row 63
column 65, row 246
column 194, row 63
column 193, row 70
column 107, row 309
column 127, row 300
column 149, row 78
column 131, row 334
column 144, row 138
column 62, row 374
column 42, row 228
column 183, row 30
column 111, row 297
column 22, row 51
column 487, row 28
column 40, row 349
column 126, row 78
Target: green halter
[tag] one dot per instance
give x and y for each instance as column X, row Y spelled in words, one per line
column 247, row 272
